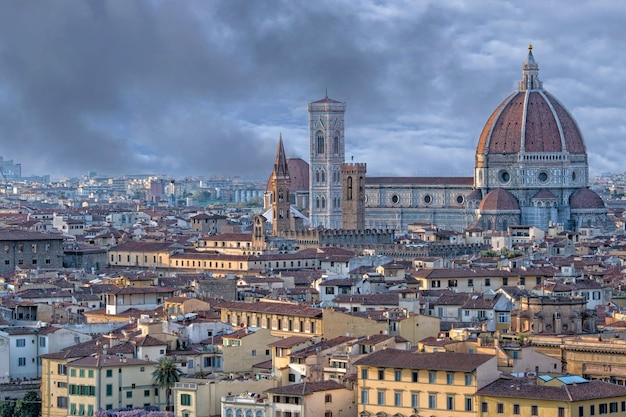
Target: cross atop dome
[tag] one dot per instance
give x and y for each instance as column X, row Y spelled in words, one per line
column 530, row 73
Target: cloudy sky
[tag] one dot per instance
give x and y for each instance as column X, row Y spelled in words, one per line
column 203, row 88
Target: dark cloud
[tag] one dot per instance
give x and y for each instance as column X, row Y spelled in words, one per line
column 205, row 88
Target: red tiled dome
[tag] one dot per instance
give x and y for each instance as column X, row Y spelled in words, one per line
column 584, row 198
column 498, row 200
column 544, row 195
column 298, row 174
column 475, row 195
column 529, row 121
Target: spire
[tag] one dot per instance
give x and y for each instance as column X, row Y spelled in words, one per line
column 280, row 165
column 530, row 73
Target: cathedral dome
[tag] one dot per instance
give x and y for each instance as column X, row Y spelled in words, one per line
column 499, row 200
column 530, row 120
column 584, row 198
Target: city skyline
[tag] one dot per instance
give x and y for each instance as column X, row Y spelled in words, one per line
column 161, row 86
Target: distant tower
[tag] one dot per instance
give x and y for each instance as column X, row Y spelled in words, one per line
column 280, row 183
column 327, row 153
column 258, row 232
column 353, row 196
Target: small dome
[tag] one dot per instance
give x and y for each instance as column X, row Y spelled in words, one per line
column 584, row 198
column 498, row 200
column 544, row 195
column 475, row 195
column 298, row 174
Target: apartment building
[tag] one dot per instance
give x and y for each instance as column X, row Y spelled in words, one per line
column 551, row 396
column 323, row 398
column 397, row 382
column 23, row 248
column 283, row 319
column 110, row 382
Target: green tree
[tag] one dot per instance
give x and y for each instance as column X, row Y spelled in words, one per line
column 7, row 408
column 166, row 375
column 29, row 406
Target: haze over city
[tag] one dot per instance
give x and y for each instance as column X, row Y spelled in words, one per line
column 206, row 88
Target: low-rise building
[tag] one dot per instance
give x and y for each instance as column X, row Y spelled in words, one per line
column 550, row 396
column 396, row 382
column 323, row 398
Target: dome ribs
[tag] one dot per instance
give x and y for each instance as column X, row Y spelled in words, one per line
column 542, row 132
column 573, row 138
column 507, row 133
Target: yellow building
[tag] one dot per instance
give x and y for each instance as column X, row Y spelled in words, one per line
column 397, row 382
column 194, row 397
column 547, row 396
column 110, row 382
column 283, row 319
column 412, row 327
column 318, row 398
column 245, row 348
column 594, row 357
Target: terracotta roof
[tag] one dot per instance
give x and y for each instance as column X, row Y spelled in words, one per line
column 144, row 246
column 544, row 194
column 437, row 181
column 289, row 342
column 11, row 234
column 390, row 299
column 438, row 361
column 528, row 388
column 498, row 200
column 306, row 388
column 585, row 198
column 235, row 237
column 276, row 308
column 528, row 121
column 475, row 195
column 321, row 346
column 102, row 361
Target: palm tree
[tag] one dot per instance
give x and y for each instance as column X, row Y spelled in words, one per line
column 166, row 375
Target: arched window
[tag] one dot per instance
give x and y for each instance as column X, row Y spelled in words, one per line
column 317, row 175
column 317, row 202
column 281, row 195
column 336, row 142
column 323, row 176
column 320, row 142
column 323, row 202
column 349, row 189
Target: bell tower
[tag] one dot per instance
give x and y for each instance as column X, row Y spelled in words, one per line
column 327, row 153
column 353, row 196
column 280, row 183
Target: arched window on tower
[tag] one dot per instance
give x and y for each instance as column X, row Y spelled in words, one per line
column 323, row 202
column 349, row 189
column 336, row 143
column 317, row 175
column 320, row 142
column 281, row 195
column 323, row 176
column 317, row 202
